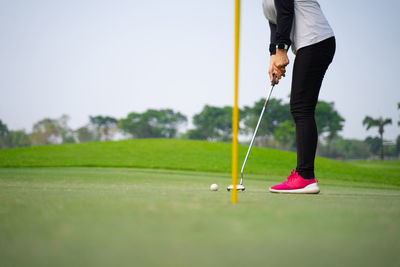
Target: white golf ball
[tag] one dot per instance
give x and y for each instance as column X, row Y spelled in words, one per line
column 214, row 187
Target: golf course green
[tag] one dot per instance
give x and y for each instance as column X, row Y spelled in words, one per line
column 148, row 203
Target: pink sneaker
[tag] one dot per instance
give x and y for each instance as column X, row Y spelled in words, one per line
column 296, row 184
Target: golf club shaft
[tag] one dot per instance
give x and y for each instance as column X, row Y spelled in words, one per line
column 255, row 131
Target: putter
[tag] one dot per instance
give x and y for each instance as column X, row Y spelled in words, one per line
column 240, row 186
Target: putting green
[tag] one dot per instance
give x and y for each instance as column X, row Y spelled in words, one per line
column 136, row 217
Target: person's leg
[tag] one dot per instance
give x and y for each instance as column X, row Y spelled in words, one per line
column 309, row 68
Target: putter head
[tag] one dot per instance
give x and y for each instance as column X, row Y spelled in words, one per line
column 239, row 187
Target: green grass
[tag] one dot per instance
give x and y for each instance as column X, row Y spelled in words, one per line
column 193, row 155
column 147, row 203
column 140, row 217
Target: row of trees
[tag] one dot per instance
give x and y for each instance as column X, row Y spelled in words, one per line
column 150, row 124
column 212, row 124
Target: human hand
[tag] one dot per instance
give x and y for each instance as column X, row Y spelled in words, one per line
column 277, row 66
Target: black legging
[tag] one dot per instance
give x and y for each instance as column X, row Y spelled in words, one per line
column 309, row 68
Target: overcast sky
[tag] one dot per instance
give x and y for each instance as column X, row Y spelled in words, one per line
column 98, row 57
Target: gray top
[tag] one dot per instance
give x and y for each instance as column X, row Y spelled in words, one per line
column 309, row 23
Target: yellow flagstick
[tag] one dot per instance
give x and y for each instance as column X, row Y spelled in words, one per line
column 235, row 111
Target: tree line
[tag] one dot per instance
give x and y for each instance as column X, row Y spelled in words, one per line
column 213, row 124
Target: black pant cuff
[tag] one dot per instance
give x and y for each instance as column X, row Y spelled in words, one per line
column 306, row 174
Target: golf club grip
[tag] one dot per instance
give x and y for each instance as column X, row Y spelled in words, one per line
column 273, row 80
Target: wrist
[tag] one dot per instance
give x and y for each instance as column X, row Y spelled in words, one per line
column 281, row 51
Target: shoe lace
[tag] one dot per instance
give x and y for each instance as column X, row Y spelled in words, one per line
column 292, row 175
